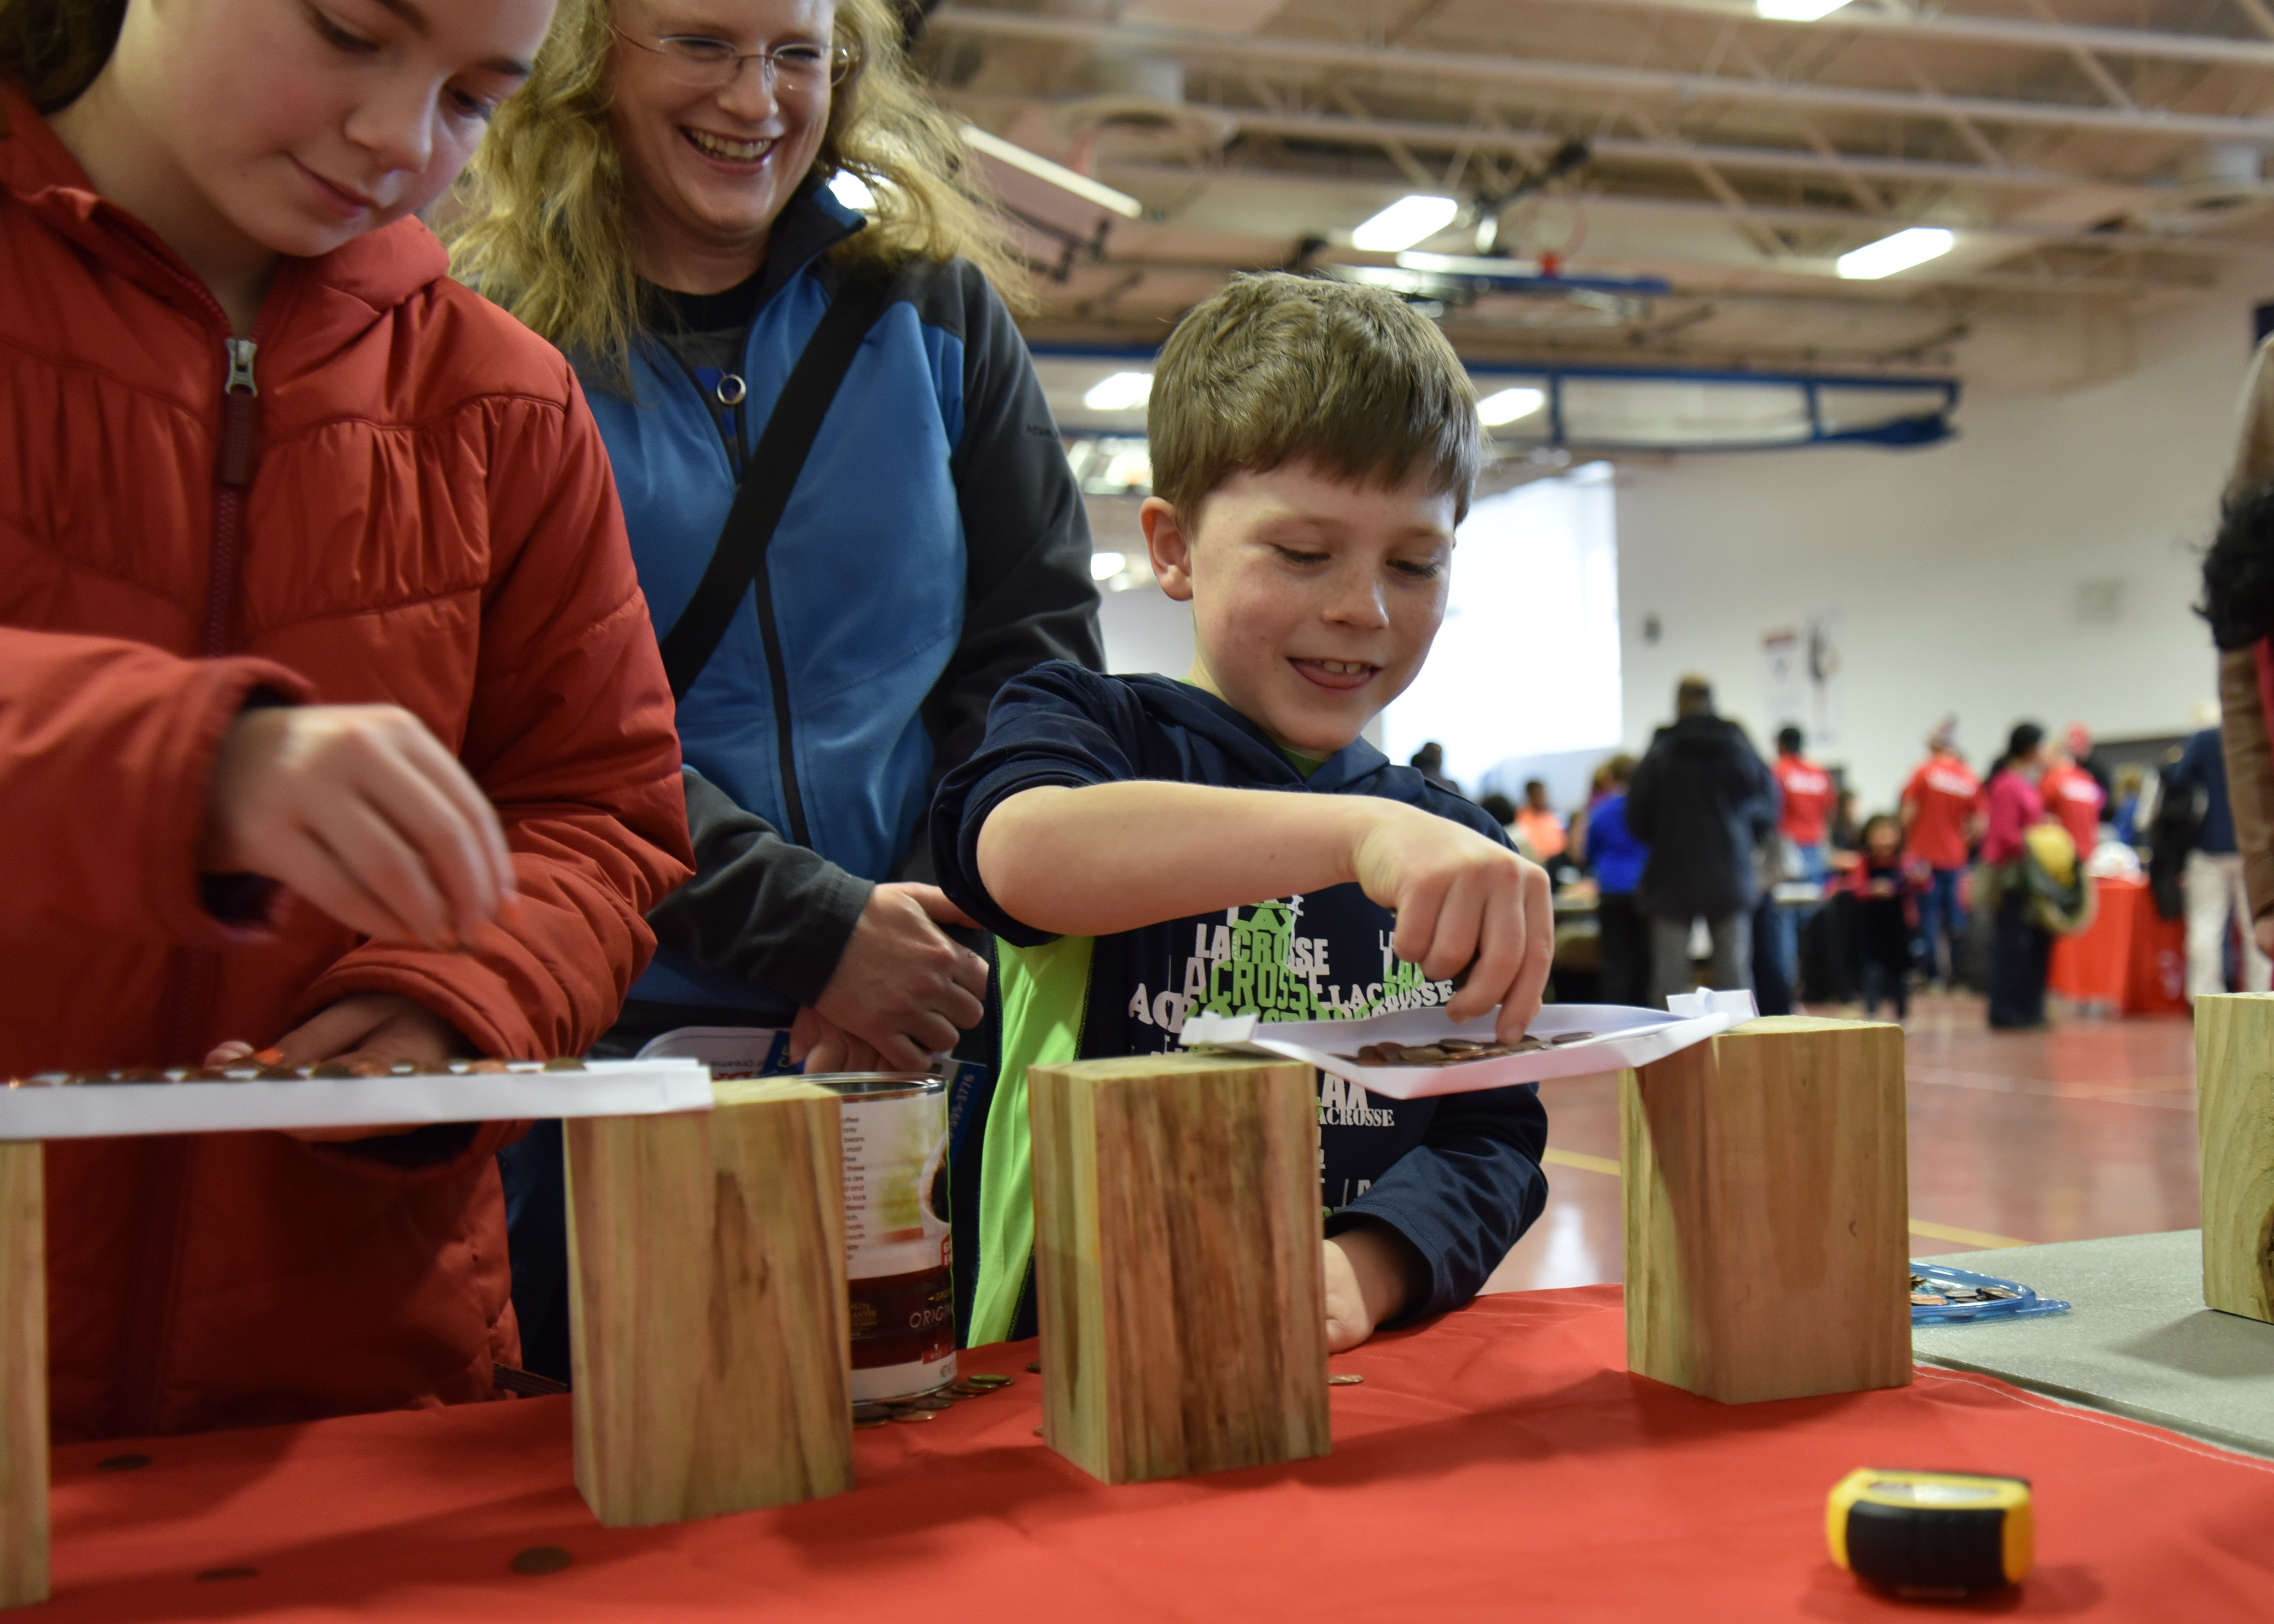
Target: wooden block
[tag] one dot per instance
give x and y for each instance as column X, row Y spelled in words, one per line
column 1179, row 1264
column 708, row 1322
column 1767, row 1216
column 2234, row 1114
column 23, row 1377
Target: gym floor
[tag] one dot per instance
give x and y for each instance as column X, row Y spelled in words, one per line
column 2016, row 1138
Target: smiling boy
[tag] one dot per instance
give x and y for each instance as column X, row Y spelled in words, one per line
column 1143, row 847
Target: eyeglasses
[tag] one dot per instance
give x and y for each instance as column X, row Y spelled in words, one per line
column 701, row 62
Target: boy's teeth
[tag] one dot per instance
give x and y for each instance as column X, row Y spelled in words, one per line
column 1341, row 668
column 735, row 152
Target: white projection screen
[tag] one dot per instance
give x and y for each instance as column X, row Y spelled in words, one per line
column 1526, row 666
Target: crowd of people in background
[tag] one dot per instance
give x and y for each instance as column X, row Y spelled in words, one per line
column 1702, row 863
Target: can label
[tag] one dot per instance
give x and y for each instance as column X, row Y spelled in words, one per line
column 897, row 1246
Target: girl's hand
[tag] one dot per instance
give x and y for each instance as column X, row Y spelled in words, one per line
column 362, row 811
column 373, row 1026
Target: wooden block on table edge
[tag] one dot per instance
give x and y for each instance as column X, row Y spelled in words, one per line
column 23, row 1375
column 2234, row 1118
column 1177, row 1384
column 765, row 1417
column 1741, row 1339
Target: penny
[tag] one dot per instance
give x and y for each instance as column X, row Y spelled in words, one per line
column 915, row 1414
column 933, row 1401
column 862, row 1427
column 1034, row 1367
column 1345, row 1379
column 121, row 1463
column 988, row 1379
column 540, row 1560
column 872, row 1412
column 1927, row 1299
column 964, row 1389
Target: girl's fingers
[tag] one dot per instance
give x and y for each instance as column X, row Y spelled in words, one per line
column 301, row 860
column 372, row 852
column 449, row 777
column 432, row 825
column 1460, row 921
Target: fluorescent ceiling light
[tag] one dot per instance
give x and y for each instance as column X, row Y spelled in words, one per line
column 1797, row 11
column 1122, row 392
column 1895, row 253
column 1042, row 169
column 1105, row 565
column 1509, row 406
column 850, row 190
column 1409, row 220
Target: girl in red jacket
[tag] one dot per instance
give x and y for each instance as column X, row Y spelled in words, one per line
column 329, row 714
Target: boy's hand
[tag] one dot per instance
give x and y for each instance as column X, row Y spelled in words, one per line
column 374, row 1025
column 904, row 988
column 1371, row 1274
column 1463, row 903
column 819, row 1044
column 362, row 811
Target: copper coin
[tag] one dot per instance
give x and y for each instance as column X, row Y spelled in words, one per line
column 915, row 1414
column 540, row 1560
column 865, row 1411
column 934, row 1402
column 1345, row 1379
column 1033, row 1367
column 989, row 1380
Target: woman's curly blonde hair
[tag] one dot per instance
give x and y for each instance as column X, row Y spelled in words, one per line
column 539, row 222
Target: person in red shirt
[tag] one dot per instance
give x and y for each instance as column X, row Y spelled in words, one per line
column 1538, row 825
column 1805, row 795
column 1941, row 814
column 2075, row 797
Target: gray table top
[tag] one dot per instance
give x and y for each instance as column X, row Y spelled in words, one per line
column 2138, row 1341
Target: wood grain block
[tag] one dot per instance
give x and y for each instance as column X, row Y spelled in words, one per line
column 708, row 1322
column 2234, row 1114
column 1767, row 1212
column 23, row 1377
column 1179, row 1264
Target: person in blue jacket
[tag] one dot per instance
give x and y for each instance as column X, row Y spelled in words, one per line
column 667, row 205
column 1145, row 848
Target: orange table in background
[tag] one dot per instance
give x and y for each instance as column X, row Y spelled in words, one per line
column 2128, row 958
column 1498, row 1463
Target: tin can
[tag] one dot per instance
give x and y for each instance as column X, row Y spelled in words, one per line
column 896, row 1240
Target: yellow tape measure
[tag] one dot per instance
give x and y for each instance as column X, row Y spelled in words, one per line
column 1922, row 1533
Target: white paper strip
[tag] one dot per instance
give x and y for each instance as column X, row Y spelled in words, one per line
column 1623, row 1037
column 103, row 1110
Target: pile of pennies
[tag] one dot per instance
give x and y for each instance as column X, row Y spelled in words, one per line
column 1940, row 1294
column 926, row 1406
column 1458, row 1051
column 260, row 1069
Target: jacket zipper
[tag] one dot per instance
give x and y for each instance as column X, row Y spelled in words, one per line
column 777, row 665
column 194, row 974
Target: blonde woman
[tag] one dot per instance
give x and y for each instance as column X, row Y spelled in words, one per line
column 656, row 202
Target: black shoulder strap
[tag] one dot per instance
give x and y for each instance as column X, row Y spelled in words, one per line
column 769, row 477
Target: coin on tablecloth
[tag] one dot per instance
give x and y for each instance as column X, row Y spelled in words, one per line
column 933, row 1401
column 1345, row 1379
column 964, row 1389
column 915, row 1414
column 1033, row 1367
column 988, row 1379
column 865, row 1411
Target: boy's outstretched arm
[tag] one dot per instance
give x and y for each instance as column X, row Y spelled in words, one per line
column 1103, row 858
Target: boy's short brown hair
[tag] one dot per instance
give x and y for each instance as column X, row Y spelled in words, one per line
column 1279, row 366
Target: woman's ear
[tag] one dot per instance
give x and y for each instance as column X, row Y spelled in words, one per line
column 1169, row 547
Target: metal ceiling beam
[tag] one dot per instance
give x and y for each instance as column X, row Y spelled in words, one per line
column 1865, row 226
column 2047, row 36
column 1448, row 137
column 1686, row 88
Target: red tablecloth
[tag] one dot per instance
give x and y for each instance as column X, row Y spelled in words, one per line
column 1499, row 1464
column 2127, row 957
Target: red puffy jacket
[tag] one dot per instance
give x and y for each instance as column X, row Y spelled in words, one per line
column 400, row 497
